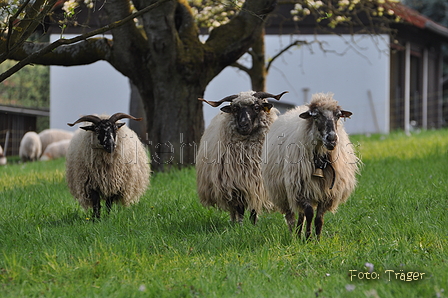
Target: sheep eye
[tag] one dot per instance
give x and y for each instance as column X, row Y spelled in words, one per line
column 314, row 115
column 256, row 108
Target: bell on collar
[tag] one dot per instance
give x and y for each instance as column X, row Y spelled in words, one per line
column 318, row 173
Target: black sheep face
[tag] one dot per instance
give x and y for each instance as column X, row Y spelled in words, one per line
column 106, row 133
column 326, row 123
column 246, row 116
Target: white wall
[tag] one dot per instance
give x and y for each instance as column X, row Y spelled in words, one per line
column 89, row 89
column 348, row 68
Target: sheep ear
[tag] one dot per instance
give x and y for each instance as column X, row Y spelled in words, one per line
column 267, row 107
column 90, row 127
column 305, row 115
column 346, row 114
column 120, row 124
column 226, row 109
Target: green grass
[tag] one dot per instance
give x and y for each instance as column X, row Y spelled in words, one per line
column 168, row 245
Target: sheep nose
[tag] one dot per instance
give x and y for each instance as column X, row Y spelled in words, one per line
column 244, row 121
column 330, row 140
column 332, row 137
column 109, row 145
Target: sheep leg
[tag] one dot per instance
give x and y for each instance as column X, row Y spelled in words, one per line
column 109, row 202
column 237, row 214
column 309, row 214
column 319, row 220
column 96, row 203
column 253, row 216
column 290, row 218
column 300, row 222
column 240, row 213
column 232, row 215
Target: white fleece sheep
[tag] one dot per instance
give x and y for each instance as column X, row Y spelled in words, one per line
column 30, row 147
column 55, row 150
column 2, row 157
column 106, row 161
column 229, row 156
column 301, row 141
column 48, row 136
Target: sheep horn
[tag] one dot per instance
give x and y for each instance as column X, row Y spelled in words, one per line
column 262, row 95
column 89, row 118
column 217, row 103
column 117, row 116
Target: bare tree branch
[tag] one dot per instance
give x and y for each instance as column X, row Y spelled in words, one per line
column 19, row 32
column 240, row 67
column 49, row 48
column 11, row 23
column 285, row 49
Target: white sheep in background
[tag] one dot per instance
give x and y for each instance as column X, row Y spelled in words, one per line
column 310, row 163
column 2, row 157
column 30, row 147
column 228, row 163
column 48, row 136
column 106, row 161
column 55, row 150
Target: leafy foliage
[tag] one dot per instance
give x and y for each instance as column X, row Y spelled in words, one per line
column 28, row 88
column 211, row 13
column 343, row 12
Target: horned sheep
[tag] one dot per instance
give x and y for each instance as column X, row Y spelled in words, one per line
column 55, row 150
column 106, row 161
column 229, row 156
column 311, row 163
column 30, row 147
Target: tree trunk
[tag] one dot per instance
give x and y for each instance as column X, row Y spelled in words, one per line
column 168, row 64
column 137, row 109
column 258, row 71
column 174, row 135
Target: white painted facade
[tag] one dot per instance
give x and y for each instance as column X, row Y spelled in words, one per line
column 89, row 89
column 355, row 69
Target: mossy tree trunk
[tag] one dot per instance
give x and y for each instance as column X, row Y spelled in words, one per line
column 168, row 64
column 257, row 72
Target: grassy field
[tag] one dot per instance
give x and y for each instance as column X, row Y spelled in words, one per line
column 168, row 245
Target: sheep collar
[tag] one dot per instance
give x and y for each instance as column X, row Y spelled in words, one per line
column 320, row 164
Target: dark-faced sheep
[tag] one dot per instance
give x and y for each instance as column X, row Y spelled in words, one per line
column 310, row 163
column 106, row 161
column 228, row 163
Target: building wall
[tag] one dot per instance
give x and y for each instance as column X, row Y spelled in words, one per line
column 90, row 89
column 12, row 128
column 424, row 68
column 356, row 69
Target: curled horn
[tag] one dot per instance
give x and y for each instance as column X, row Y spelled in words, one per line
column 217, row 103
column 117, row 116
column 89, row 118
column 262, row 95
